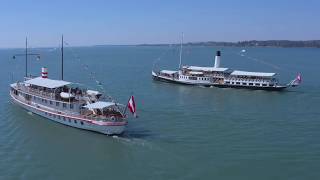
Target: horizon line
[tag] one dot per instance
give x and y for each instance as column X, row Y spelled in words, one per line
column 159, row 44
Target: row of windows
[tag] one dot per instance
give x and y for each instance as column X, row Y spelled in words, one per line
column 64, row 105
column 194, row 78
column 64, row 118
column 205, row 79
column 250, row 84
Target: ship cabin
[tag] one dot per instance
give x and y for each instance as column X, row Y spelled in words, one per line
column 169, row 74
column 103, row 111
column 56, row 94
column 254, row 79
column 211, row 74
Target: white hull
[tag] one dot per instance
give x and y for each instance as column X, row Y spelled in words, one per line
column 183, row 81
column 209, row 83
column 73, row 121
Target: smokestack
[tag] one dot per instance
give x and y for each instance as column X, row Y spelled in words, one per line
column 217, row 60
column 44, row 72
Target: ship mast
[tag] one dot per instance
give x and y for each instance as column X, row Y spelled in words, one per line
column 62, row 58
column 181, row 51
column 26, row 57
column 26, row 54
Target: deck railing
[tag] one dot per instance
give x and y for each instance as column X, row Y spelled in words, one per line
column 47, row 95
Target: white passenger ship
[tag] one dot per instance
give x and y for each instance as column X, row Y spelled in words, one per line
column 66, row 103
column 217, row 76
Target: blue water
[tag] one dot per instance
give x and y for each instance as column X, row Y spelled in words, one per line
column 183, row 132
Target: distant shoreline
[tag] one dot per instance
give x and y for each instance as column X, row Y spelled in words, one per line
column 253, row 43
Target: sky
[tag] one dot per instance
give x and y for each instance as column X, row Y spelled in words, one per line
column 126, row 22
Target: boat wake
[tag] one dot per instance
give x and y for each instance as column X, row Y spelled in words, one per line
column 133, row 141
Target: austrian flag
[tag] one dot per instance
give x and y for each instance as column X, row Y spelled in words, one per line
column 132, row 106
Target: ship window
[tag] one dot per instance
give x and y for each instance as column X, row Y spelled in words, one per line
column 50, row 102
column 71, row 106
column 270, row 84
column 227, row 82
column 264, row 84
column 237, row 82
column 69, row 120
column 244, row 83
column 75, row 121
column 81, row 123
column 64, row 119
column 45, row 101
column 251, row 84
column 64, row 105
column 57, row 103
column 34, row 98
column 257, row 84
column 42, row 100
column 45, row 113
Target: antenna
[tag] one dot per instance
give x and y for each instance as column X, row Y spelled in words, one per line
column 181, row 51
column 62, row 58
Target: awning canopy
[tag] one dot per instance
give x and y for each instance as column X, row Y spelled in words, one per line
column 257, row 74
column 99, row 105
column 47, row 83
column 208, row 69
column 195, row 73
column 168, row 72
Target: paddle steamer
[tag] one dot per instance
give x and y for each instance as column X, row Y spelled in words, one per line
column 217, row 76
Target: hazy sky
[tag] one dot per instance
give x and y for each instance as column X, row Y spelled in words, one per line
column 155, row 21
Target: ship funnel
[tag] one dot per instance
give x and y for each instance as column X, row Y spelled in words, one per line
column 44, row 72
column 217, row 60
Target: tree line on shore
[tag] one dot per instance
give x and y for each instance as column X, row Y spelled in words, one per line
column 255, row 43
column 268, row 43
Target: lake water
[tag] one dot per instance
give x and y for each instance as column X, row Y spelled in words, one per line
column 183, row 132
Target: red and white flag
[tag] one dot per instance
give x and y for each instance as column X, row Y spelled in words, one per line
column 132, row 106
column 296, row 81
column 299, row 79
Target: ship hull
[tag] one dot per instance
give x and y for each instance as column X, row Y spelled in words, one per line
column 271, row 88
column 170, row 80
column 76, row 122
